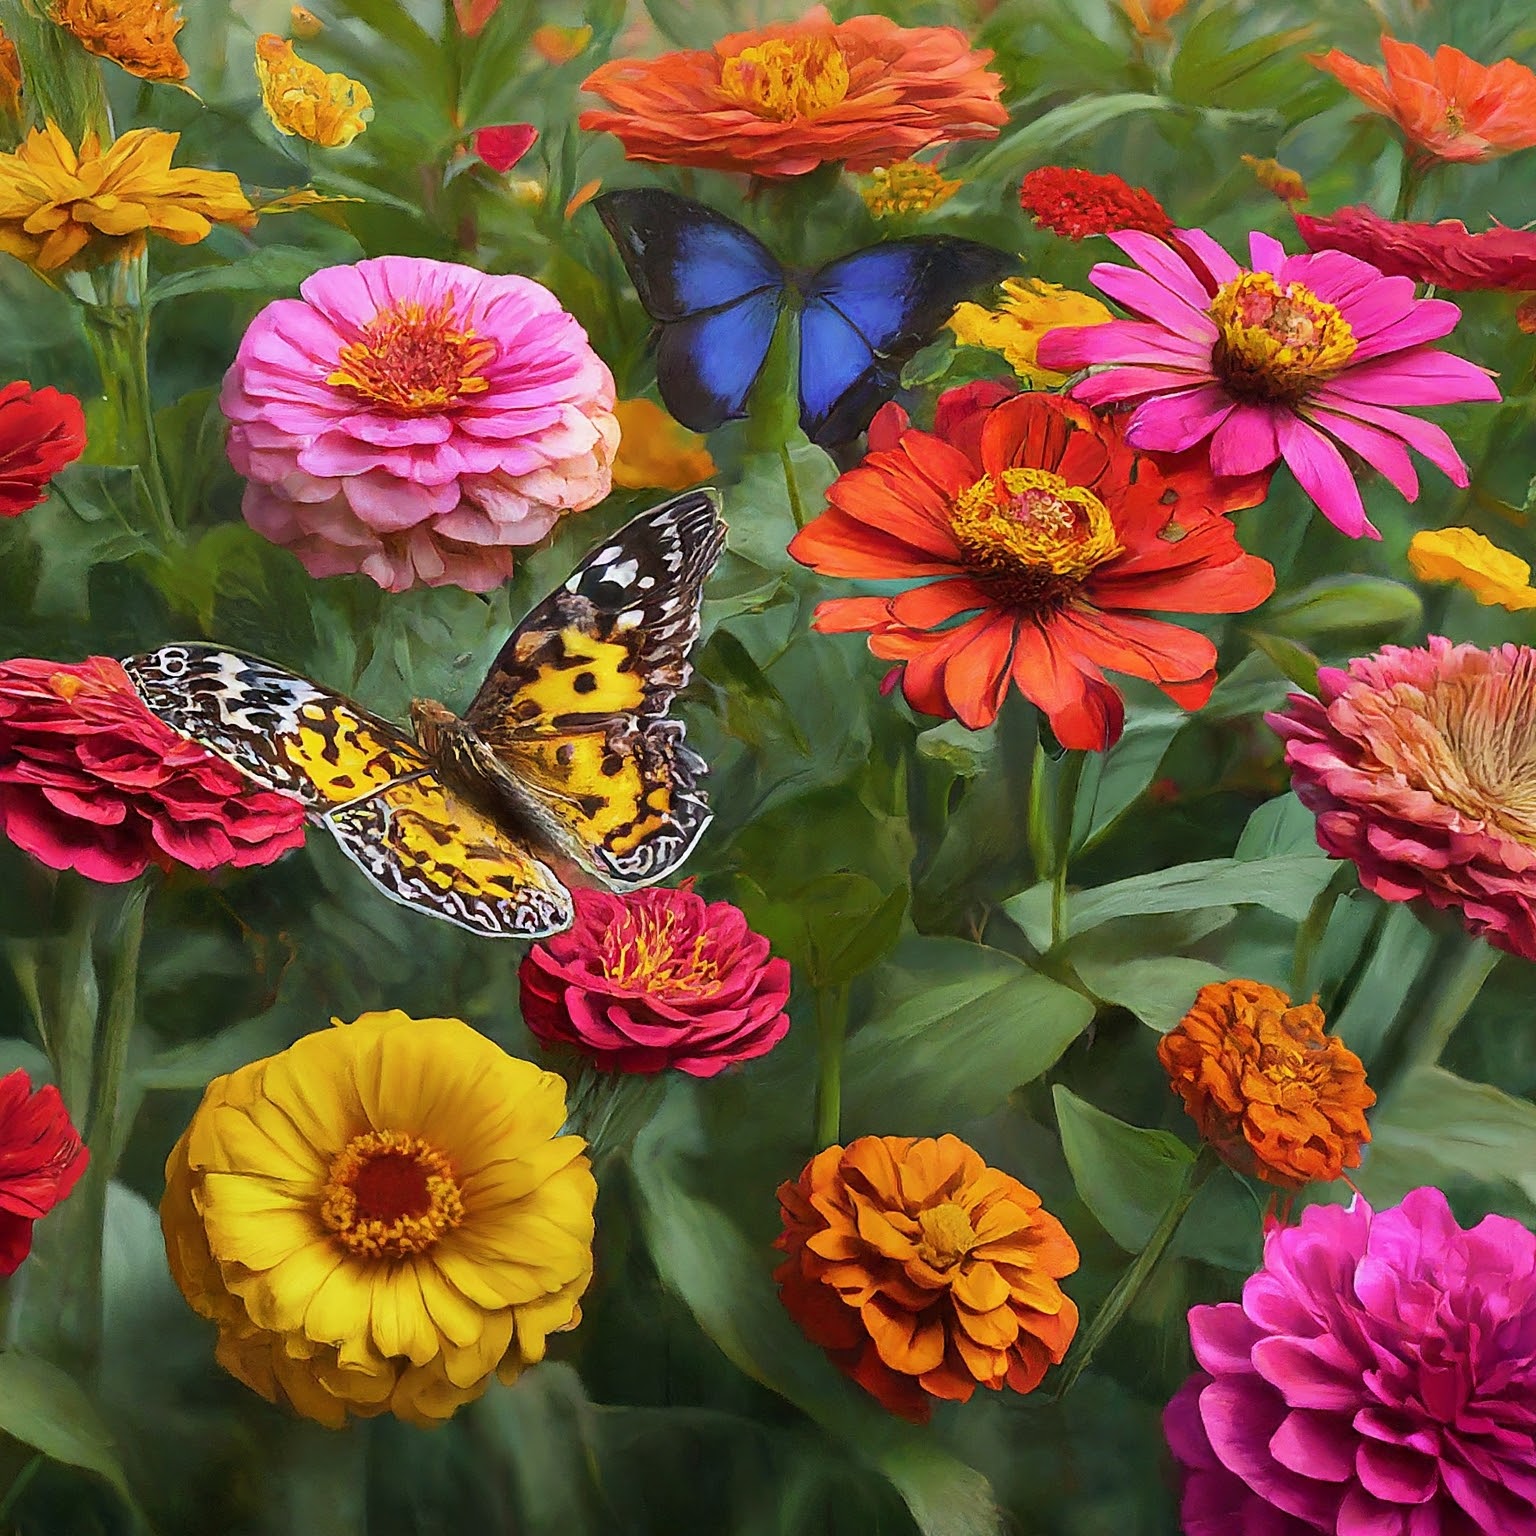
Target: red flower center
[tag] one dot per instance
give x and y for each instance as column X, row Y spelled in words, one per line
column 390, row 1194
column 1276, row 343
column 786, row 78
column 414, row 359
column 643, row 950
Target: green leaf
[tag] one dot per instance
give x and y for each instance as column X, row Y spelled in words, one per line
column 1208, row 71
column 1113, row 781
column 832, row 929
column 1280, row 826
column 1339, row 604
column 268, row 269
column 74, row 537
column 1291, row 659
column 1017, row 152
column 751, row 708
column 1158, row 989
column 773, row 409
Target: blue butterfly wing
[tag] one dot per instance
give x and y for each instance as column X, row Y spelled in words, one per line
column 714, row 290
column 867, row 314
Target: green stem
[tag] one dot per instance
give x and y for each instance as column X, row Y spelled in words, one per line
column 71, row 1011
column 1309, row 935
column 1069, row 775
column 103, row 1132
column 1131, row 1284
column 1039, row 830
column 1409, row 183
column 791, row 487
column 831, row 1031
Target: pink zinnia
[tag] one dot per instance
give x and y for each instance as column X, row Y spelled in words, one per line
column 417, row 421
column 1416, row 763
column 1378, row 1378
column 1298, row 358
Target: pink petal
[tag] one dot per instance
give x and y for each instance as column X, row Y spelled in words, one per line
column 1265, row 252
column 1424, row 436
column 1160, row 260
column 1130, row 383
column 1247, row 441
column 1144, row 295
column 1381, row 450
column 1321, row 472
column 1429, row 320
column 1212, row 256
column 1170, row 423
column 1420, row 376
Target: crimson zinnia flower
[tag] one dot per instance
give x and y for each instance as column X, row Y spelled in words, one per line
column 655, row 979
column 1445, row 254
column 91, row 781
column 41, row 1158
column 1081, row 203
column 1052, row 542
column 41, row 430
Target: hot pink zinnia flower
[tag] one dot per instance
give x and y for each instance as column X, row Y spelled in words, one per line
column 1378, row 1378
column 417, row 421
column 1296, row 359
column 1416, row 765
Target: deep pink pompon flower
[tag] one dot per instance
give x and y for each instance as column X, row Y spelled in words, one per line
column 1378, row 1378
column 1298, row 358
column 417, row 421
column 1416, row 763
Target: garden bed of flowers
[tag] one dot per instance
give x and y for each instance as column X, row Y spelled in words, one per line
column 767, row 772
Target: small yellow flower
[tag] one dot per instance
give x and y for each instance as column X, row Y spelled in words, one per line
column 1030, row 308
column 10, row 80
column 1285, row 183
column 304, row 24
column 910, row 186
column 1149, row 17
column 525, row 191
column 137, row 35
column 301, row 99
column 381, row 1218
column 61, row 208
column 657, row 453
column 1492, row 575
column 559, row 45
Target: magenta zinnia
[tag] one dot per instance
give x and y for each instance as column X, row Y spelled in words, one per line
column 1301, row 358
column 1417, row 765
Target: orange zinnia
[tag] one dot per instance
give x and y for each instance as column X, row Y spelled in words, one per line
column 137, row 35
column 923, row 1272
column 1052, row 541
column 784, row 99
column 1273, row 1094
column 1449, row 107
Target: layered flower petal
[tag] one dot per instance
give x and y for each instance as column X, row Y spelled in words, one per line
column 41, row 430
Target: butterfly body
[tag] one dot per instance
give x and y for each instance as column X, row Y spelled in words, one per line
column 565, row 767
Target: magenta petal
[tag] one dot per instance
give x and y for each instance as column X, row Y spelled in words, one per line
column 1381, row 450
column 1423, row 436
column 1321, row 472
column 1170, row 423
column 1429, row 320
column 1247, row 441
column 1144, row 295
column 1265, row 252
column 1159, row 260
column 1420, row 376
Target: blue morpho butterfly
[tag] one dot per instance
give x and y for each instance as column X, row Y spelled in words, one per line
column 717, row 294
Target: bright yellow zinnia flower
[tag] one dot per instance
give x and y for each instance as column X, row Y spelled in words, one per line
column 657, row 453
column 137, row 35
column 909, row 186
column 380, row 1218
column 300, row 98
column 1030, row 308
column 60, row 208
column 1492, row 575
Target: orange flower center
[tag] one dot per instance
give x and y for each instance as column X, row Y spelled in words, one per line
column 390, row 1194
column 411, row 359
column 644, row 952
column 1035, row 537
column 948, row 1235
column 787, row 78
column 1276, row 343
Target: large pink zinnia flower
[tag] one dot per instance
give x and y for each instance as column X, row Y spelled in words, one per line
column 417, row 421
column 1378, row 1378
column 1416, row 763
column 1299, row 358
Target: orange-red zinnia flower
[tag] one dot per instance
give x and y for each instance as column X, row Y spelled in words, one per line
column 784, row 99
column 1052, row 542
column 923, row 1272
column 1448, row 107
column 137, row 35
column 1276, row 1096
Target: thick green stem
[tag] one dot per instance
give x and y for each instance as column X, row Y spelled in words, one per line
column 1409, row 182
column 1131, row 1284
column 831, row 1030
column 1039, row 827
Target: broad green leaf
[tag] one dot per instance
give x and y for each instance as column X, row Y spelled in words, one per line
column 1158, row 989
column 1382, row 986
column 1209, row 71
column 831, row 929
column 277, row 269
column 751, row 708
column 1113, row 781
column 1017, row 152
column 963, row 751
column 1290, row 658
column 1279, row 827
column 75, row 537
column 43, row 1407
column 758, row 508
column 1339, row 604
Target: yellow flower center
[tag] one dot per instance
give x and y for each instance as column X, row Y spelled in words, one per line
column 1276, row 343
column 1035, row 538
column 910, row 186
column 411, row 358
column 787, row 78
column 390, row 1194
column 948, row 1235
column 644, row 952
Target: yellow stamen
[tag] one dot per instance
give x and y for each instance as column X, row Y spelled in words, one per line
column 948, row 1235
column 1277, row 343
column 909, row 186
column 787, row 77
column 645, row 953
column 411, row 358
column 390, row 1194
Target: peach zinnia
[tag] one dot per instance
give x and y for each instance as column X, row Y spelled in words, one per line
column 923, row 1272
column 784, row 99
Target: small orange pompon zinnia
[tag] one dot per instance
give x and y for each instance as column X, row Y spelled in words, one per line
column 1273, row 1094
column 137, row 35
column 1448, row 107
column 923, row 1272
column 10, row 82
column 784, row 99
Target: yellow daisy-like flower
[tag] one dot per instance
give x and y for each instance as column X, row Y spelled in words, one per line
column 1492, row 575
column 1029, row 309
column 909, row 186
column 657, row 453
column 303, row 100
column 136, row 35
column 380, row 1218
column 64, row 208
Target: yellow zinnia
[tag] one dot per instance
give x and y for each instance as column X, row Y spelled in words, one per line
column 657, row 453
column 61, row 208
column 380, row 1218
column 303, row 100
column 909, row 186
column 1029, row 309
column 1492, row 575
column 137, row 35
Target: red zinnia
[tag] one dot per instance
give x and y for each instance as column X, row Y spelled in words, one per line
column 1080, row 203
column 654, row 979
column 1053, row 541
column 91, row 781
column 41, row 1158
column 41, row 430
column 1445, row 254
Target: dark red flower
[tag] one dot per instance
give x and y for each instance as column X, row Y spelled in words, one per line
column 91, row 781
column 654, row 979
column 41, row 1158
column 502, row 147
column 41, row 431
column 1080, row 203
column 1447, row 254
